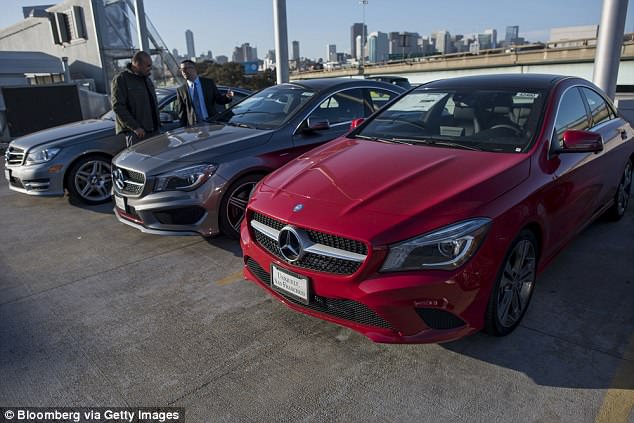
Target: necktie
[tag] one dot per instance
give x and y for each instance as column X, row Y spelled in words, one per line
column 196, row 100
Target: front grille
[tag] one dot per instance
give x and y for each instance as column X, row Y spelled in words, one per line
column 312, row 261
column 14, row 156
column 342, row 309
column 439, row 319
column 133, row 181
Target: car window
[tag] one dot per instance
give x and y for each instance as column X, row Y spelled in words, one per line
column 341, row 107
column 571, row 114
column 380, row 98
column 237, row 97
column 599, row 109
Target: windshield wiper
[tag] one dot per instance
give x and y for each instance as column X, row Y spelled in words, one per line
column 388, row 140
column 432, row 141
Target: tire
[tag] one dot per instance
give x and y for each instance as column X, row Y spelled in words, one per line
column 513, row 289
column 622, row 195
column 234, row 204
column 89, row 180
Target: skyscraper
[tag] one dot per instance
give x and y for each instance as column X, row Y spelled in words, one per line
column 356, row 30
column 378, row 47
column 512, row 34
column 332, row 53
column 494, row 37
column 443, row 42
column 189, row 39
column 295, row 50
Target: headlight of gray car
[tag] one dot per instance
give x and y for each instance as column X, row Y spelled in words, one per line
column 445, row 249
column 184, row 179
column 42, row 155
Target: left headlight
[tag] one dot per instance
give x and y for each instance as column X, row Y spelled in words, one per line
column 42, row 155
column 184, row 179
column 444, row 249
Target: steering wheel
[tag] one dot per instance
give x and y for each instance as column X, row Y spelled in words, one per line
column 516, row 130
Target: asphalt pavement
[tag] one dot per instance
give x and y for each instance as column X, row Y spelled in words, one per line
column 95, row 313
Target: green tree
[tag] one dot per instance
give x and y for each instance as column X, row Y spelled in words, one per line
column 232, row 74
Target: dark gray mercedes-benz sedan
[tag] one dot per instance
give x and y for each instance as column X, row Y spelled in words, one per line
column 198, row 180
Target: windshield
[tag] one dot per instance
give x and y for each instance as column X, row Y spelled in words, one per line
column 502, row 120
column 269, row 108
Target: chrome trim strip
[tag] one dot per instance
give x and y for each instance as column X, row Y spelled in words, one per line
column 319, row 249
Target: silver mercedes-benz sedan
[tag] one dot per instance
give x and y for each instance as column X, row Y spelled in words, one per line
column 76, row 157
column 198, row 180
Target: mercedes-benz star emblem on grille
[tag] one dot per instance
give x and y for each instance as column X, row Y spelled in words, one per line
column 290, row 244
column 118, row 178
column 298, row 207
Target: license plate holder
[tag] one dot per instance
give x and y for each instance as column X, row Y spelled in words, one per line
column 120, row 202
column 290, row 283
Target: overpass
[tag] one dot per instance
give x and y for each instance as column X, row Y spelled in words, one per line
column 576, row 61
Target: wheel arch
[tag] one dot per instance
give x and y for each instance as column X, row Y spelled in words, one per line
column 81, row 156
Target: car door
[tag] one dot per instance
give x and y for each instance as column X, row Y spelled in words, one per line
column 604, row 121
column 571, row 196
column 169, row 115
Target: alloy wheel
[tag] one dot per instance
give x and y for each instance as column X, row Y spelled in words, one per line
column 623, row 193
column 93, row 180
column 237, row 204
column 516, row 284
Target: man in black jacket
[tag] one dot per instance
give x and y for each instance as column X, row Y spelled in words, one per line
column 197, row 97
column 134, row 100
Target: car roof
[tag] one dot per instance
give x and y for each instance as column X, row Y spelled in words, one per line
column 525, row 80
column 172, row 90
column 322, row 84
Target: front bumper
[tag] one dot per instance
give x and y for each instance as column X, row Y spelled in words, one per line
column 175, row 212
column 398, row 307
column 38, row 179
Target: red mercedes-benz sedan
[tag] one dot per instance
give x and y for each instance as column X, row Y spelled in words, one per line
column 431, row 220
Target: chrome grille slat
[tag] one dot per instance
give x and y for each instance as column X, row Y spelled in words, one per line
column 134, row 181
column 325, row 256
column 14, row 156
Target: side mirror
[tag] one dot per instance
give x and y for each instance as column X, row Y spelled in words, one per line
column 356, row 122
column 316, row 124
column 166, row 117
column 581, row 142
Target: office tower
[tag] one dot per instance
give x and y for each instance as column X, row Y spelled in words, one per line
column 443, row 42
column 512, row 34
column 295, row 50
column 494, row 37
column 189, row 38
column 332, row 53
column 356, row 30
column 378, row 47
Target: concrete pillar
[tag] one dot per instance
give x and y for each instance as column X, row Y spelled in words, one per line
column 66, row 69
column 609, row 44
column 141, row 25
column 281, row 40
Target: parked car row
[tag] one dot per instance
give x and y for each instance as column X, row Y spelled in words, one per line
column 428, row 215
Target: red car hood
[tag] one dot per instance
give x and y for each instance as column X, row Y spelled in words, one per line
column 363, row 189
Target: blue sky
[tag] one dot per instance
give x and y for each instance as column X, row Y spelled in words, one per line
column 219, row 26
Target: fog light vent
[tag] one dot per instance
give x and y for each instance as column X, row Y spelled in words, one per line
column 439, row 319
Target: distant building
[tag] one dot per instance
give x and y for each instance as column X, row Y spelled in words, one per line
column 512, row 34
column 403, row 43
column 189, row 39
column 245, row 53
column 573, row 36
column 378, row 47
column 295, row 51
column 356, row 30
column 443, row 42
column 494, row 37
column 332, row 53
column 269, row 60
column 221, row 60
column 485, row 41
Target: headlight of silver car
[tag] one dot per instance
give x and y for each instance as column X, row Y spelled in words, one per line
column 184, row 179
column 42, row 155
column 445, row 249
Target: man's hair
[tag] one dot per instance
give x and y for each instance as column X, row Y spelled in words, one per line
column 141, row 56
column 188, row 62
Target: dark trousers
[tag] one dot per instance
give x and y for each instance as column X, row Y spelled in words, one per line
column 131, row 138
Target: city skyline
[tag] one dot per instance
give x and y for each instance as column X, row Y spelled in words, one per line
column 221, row 27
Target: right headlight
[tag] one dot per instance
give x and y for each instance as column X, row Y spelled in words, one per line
column 185, row 179
column 445, row 249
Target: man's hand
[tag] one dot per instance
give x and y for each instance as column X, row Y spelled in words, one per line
column 140, row 132
column 229, row 94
